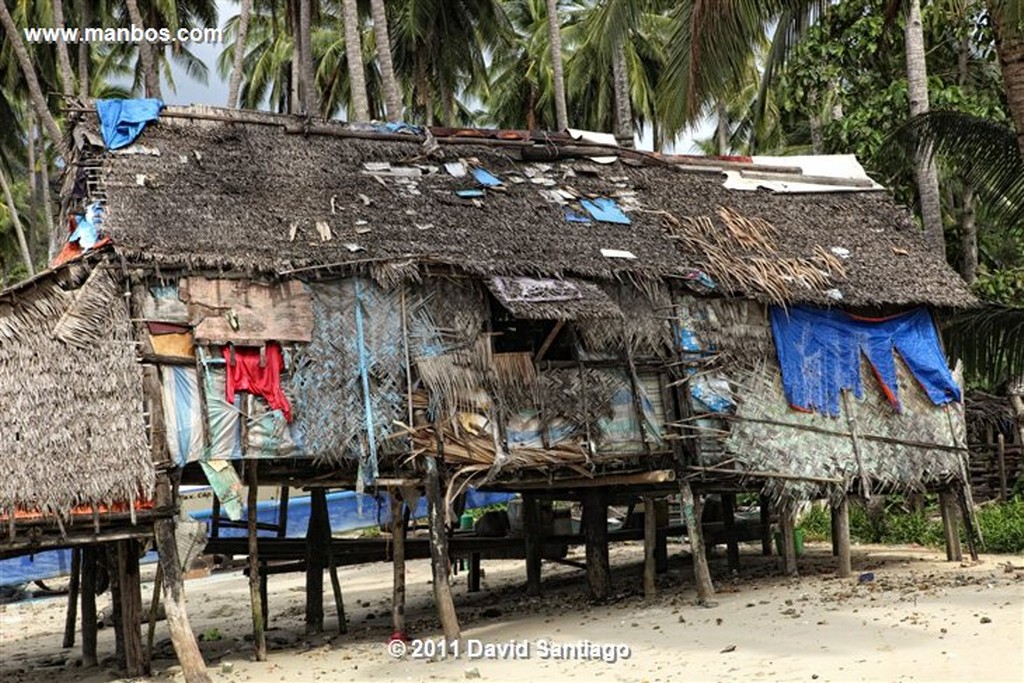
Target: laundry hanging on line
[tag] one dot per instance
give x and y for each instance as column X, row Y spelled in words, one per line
column 820, row 353
column 244, row 373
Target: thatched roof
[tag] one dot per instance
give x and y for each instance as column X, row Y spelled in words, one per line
column 72, row 429
column 266, row 197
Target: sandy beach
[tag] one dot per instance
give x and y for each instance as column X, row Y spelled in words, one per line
column 919, row 619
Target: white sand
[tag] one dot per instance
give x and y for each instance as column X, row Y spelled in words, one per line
column 921, row 619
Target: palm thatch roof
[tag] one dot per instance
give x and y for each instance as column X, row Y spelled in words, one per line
column 72, row 428
column 277, row 194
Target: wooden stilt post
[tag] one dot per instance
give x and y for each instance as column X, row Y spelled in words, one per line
column 661, row 548
column 315, row 565
column 130, row 584
column 88, row 590
column 650, row 543
column 534, row 537
column 72, row 614
column 258, row 627
column 154, row 608
column 398, row 531
column 950, row 527
column 841, row 535
column 114, row 575
column 729, row 519
column 595, row 528
column 787, row 522
column 834, row 535
column 473, row 576
column 439, row 552
column 327, row 538
column 692, row 509
column 965, row 511
column 182, row 637
column 766, row 525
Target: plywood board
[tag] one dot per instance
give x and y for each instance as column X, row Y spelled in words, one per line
column 248, row 313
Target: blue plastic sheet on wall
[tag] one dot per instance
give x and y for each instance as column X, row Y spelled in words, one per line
column 820, row 354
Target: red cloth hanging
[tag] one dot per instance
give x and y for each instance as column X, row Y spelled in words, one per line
column 245, row 374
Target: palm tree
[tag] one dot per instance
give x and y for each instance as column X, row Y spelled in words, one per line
column 557, row 71
column 84, row 53
column 309, row 95
column 354, row 52
column 245, row 11
column 67, row 75
column 149, row 66
column 392, row 96
column 1007, row 21
column 29, row 73
column 12, row 210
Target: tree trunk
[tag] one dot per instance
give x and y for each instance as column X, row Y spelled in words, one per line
column 54, row 237
column 392, row 95
column 623, row 101
column 968, row 237
column 557, row 72
column 1010, row 48
column 926, row 173
column 308, row 90
column 84, row 53
column 16, row 220
column 67, row 76
column 149, row 67
column 13, row 36
column 722, row 129
column 240, row 40
column 360, row 105
column 33, row 179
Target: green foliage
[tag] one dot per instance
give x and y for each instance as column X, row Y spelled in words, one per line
column 1001, row 525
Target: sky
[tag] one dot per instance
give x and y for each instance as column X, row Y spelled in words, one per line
column 215, row 92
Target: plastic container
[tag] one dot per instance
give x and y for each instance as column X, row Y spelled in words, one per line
column 466, row 522
column 798, row 542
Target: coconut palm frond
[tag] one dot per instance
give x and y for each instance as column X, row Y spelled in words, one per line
column 990, row 341
column 981, row 151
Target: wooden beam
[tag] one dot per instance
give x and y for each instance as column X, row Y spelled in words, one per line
column 692, row 510
column 841, row 539
column 650, row 545
column 640, row 478
column 439, row 552
column 548, row 341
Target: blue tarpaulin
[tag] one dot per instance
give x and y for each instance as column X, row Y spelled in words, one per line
column 486, row 178
column 820, row 353
column 605, row 210
column 123, row 120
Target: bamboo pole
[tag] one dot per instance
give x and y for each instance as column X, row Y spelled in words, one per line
column 692, row 509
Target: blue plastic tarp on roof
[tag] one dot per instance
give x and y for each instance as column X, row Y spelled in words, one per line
column 605, row 210
column 820, row 353
column 486, row 178
column 121, row 121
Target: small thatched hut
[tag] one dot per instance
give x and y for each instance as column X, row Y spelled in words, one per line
column 534, row 312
